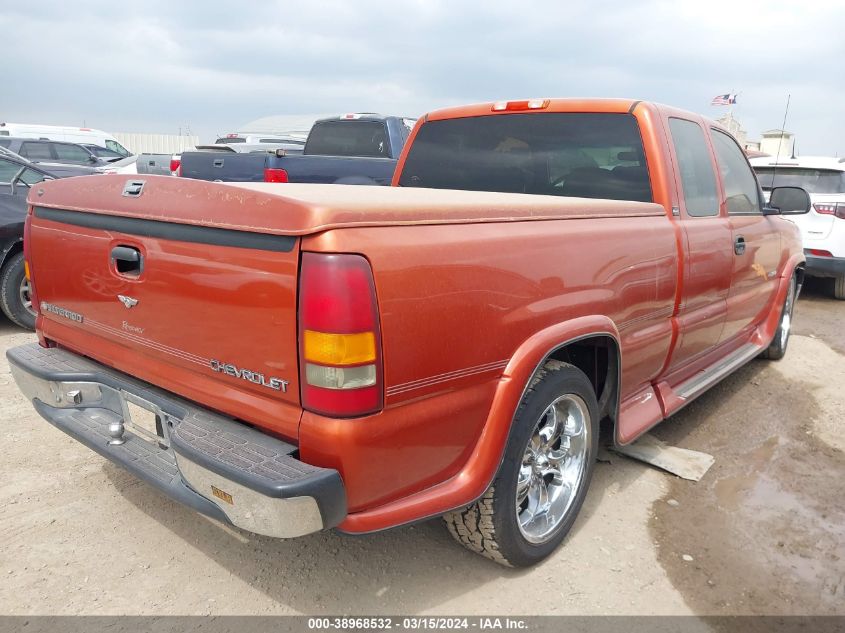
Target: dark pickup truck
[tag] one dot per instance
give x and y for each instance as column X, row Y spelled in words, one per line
column 352, row 149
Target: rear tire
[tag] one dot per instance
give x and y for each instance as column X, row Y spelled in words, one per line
column 543, row 480
column 839, row 287
column 15, row 297
column 777, row 348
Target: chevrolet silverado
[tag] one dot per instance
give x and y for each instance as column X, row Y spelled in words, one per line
column 291, row 359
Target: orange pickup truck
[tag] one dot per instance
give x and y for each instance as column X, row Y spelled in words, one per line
column 291, row 358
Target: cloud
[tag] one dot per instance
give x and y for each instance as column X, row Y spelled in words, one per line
column 158, row 66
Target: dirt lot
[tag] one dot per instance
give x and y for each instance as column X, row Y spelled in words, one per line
column 764, row 528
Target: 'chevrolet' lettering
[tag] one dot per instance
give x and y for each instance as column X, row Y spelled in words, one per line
column 62, row 312
column 277, row 384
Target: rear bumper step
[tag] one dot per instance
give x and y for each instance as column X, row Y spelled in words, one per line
column 219, row 467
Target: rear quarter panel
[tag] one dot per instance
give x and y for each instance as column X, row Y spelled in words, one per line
column 456, row 303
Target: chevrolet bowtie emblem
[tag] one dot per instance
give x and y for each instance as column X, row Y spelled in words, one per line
column 129, row 302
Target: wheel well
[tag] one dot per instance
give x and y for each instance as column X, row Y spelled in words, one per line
column 14, row 249
column 799, row 277
column 598, row 358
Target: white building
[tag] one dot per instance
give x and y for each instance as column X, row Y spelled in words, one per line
column 778, row 143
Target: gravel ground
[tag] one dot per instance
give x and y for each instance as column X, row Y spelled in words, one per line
column 761, row 533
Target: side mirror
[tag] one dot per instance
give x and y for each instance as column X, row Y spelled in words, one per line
column 789, row 201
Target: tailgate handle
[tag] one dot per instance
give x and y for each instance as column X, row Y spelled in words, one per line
column 218, row 162
column 127, row 260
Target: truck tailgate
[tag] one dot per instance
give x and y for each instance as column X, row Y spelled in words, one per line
column 224, row 166
column 154, row 290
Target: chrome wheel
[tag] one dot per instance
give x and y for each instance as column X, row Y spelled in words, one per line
column 553, row 467
column 25, row 293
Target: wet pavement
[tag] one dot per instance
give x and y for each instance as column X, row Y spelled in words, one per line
column 764, row 530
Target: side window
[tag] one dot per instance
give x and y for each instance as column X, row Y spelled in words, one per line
column 697, row 177
column 741, row 190
column 8, row 169
column 36, row 151
column 117, row 148
column 72, row 153
column 32, row 177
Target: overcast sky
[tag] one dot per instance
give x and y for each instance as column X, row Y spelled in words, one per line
column 158, row 66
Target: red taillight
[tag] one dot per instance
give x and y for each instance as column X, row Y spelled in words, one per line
column 275, row 175
column 818, row 252
column 175, row 166
column 831, row 208
column 340, row 360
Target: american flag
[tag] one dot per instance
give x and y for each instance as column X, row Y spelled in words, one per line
column 728, row 99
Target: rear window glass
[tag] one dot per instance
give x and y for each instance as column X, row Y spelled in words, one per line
column 348, row 138
column 229, row 140
column 812, row 180
column 562, row 154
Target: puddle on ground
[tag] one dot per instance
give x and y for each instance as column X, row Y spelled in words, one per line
column 766, row 526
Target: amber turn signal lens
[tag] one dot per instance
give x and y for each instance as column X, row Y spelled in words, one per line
column 339, row 349
column 26, row 270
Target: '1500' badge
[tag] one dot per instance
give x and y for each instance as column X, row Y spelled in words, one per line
column 276, row 384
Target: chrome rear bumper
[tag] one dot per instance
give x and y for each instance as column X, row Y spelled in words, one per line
column 213, row 464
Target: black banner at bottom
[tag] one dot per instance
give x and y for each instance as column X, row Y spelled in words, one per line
column 492, row 623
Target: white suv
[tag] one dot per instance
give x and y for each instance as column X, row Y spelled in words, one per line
column 823, row 228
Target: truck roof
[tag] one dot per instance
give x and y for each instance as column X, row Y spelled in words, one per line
column 301, row 209
column 548, row 105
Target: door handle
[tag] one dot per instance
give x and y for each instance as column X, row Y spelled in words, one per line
column 127, row 260
column 739, row 245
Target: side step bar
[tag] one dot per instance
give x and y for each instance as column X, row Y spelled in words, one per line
column 703, row 380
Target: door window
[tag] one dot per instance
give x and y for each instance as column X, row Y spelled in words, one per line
column 8, row 169
column 697, row 177
column 741, row 191
column 36, row 151
column 72, row 153
column 31, row 177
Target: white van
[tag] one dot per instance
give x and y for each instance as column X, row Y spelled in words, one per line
column 81, row 135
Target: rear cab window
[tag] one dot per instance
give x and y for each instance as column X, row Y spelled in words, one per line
column 587, row 155
column 348, row 138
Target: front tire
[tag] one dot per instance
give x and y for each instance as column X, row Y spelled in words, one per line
column 15, row 293
column 777, row 348
column 542, row 482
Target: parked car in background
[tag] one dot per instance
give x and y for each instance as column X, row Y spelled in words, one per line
column 84, row 135
column 41, row 151
column 17, row 175
column 252, row 138
column 102, row 152
column 823, row 228
column 302, row 357
column 350, row 149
